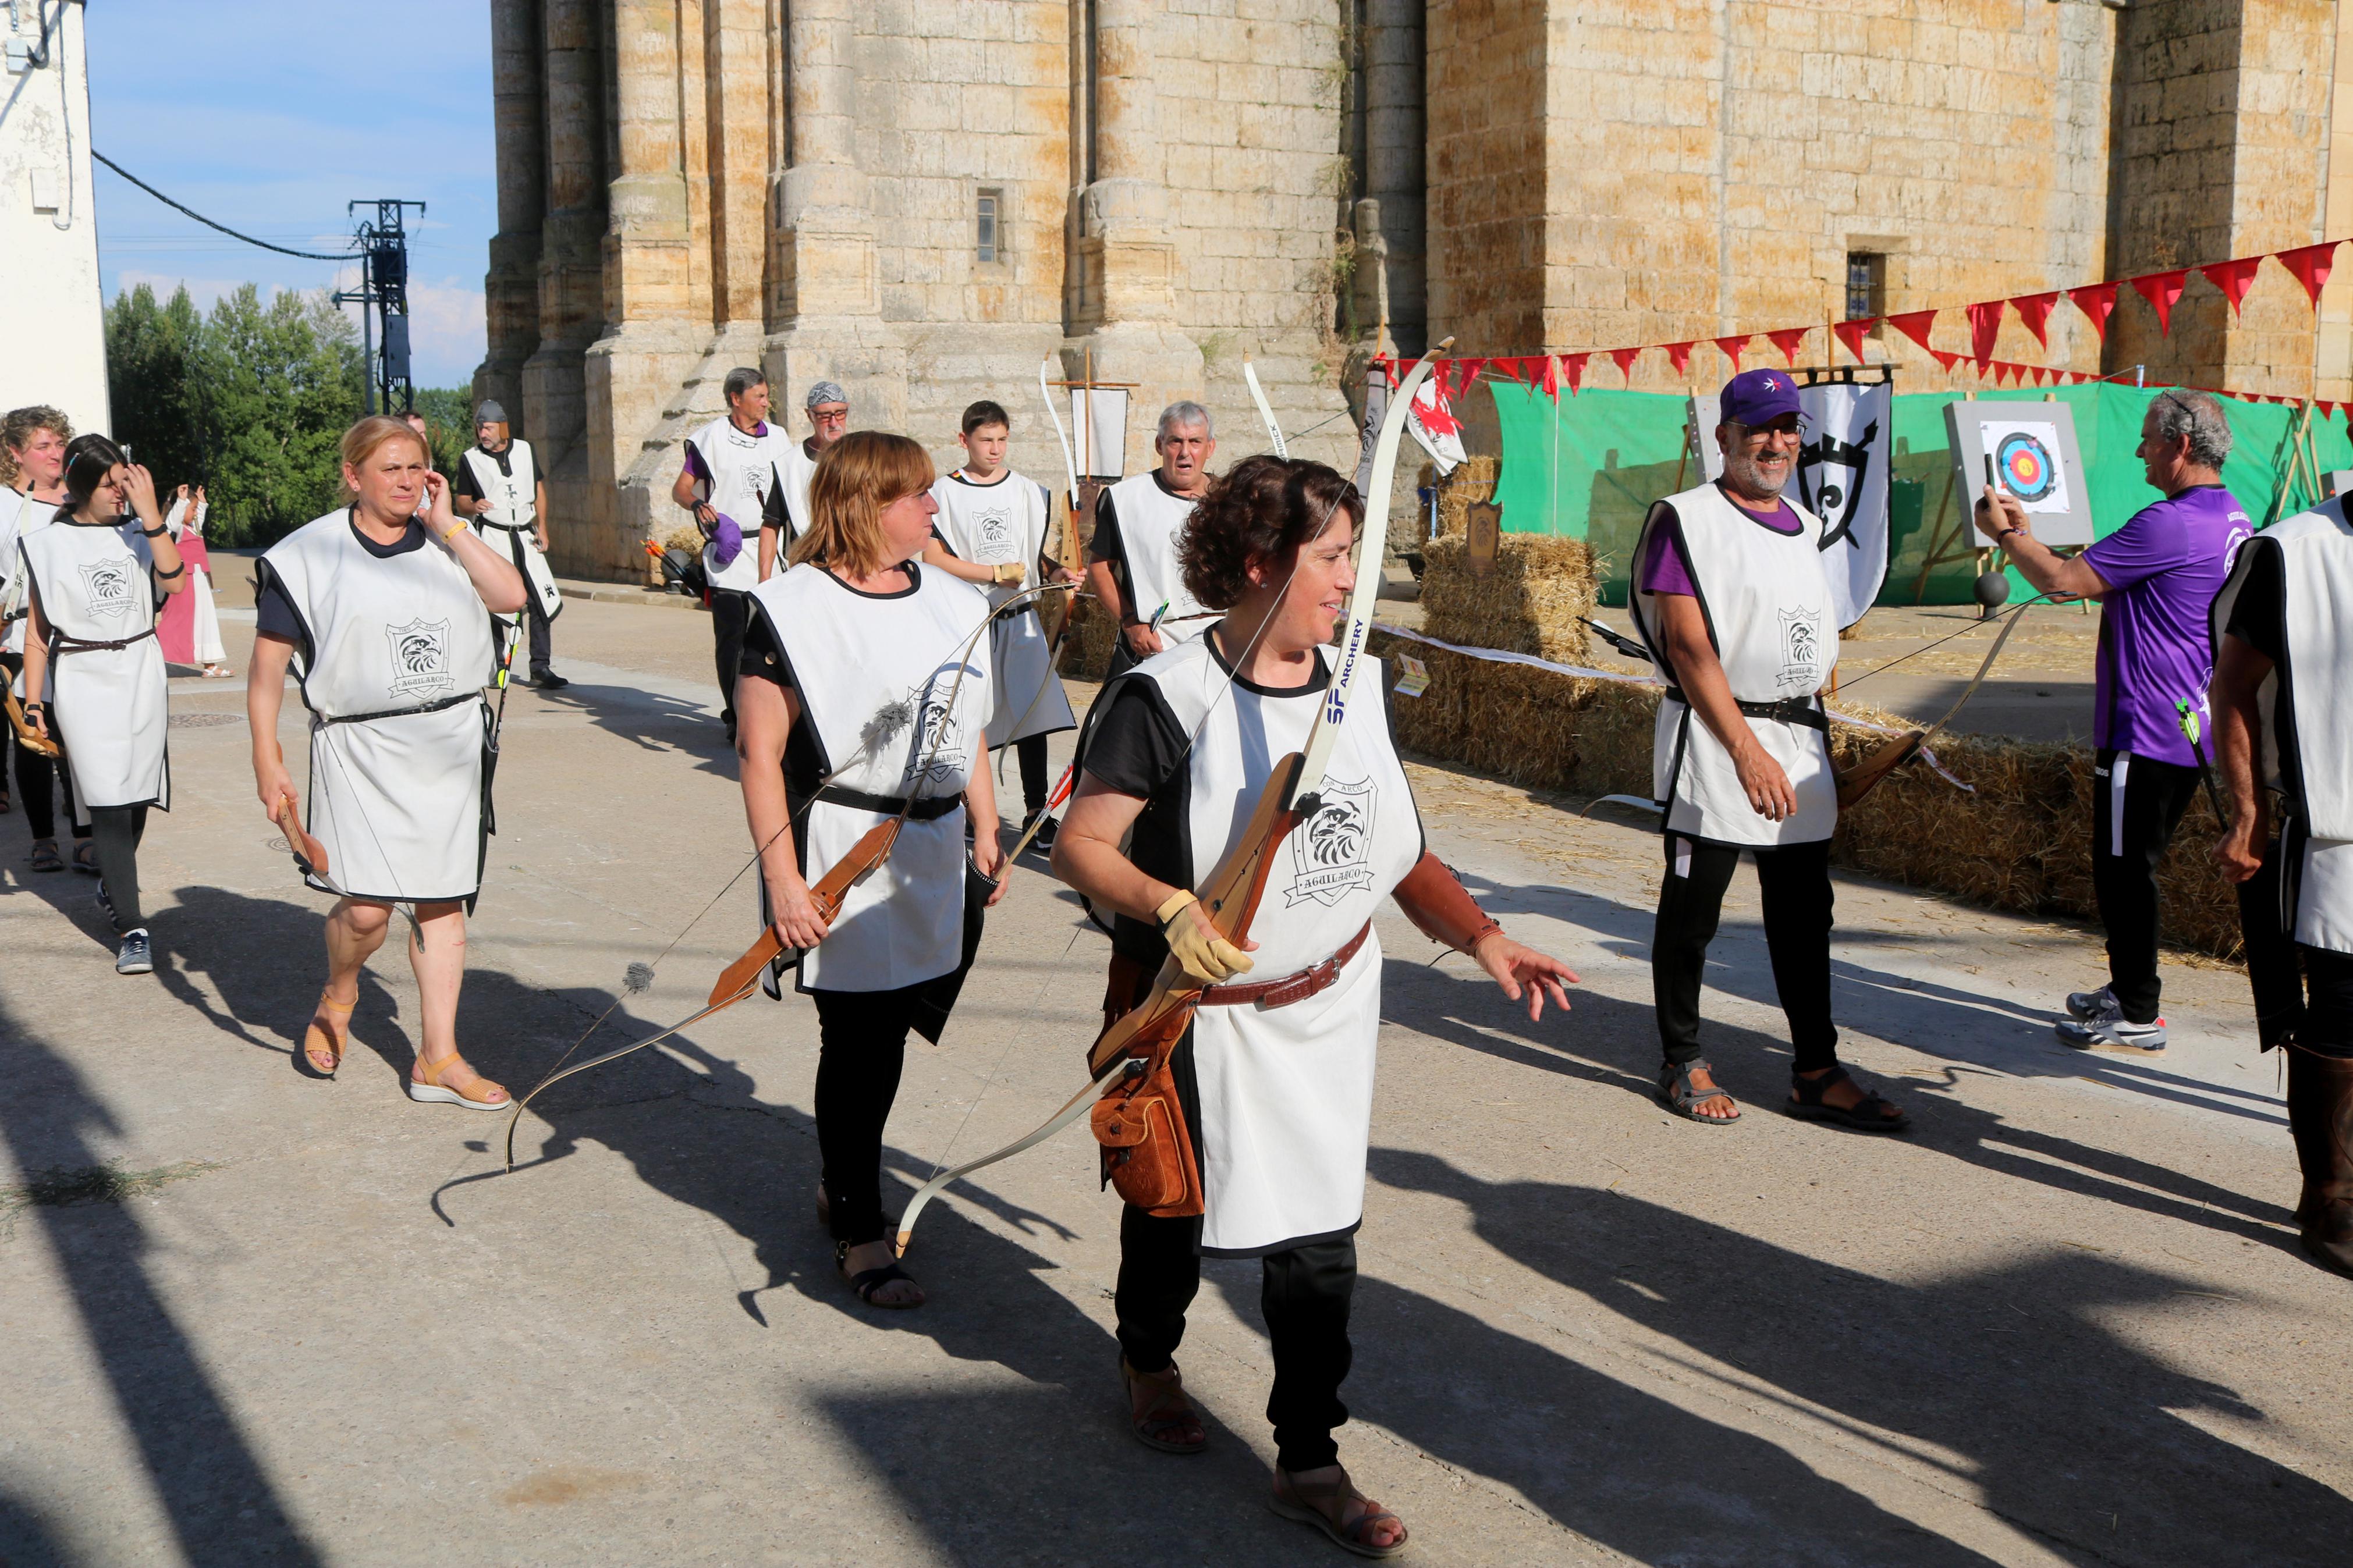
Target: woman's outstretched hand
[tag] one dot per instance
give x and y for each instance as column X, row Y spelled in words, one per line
column 1520, row 969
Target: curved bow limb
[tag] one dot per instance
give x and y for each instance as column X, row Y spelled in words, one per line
column 1861, row 779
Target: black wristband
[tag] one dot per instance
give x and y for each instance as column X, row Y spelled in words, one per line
column 167, row 576
column 153, row 532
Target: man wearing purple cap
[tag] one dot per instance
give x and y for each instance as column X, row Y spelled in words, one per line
column 2156, row 579
column 1732, row 601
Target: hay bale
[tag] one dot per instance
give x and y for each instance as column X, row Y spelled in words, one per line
column 1472, row 480
column 686, row 537
column 1528, row 604
column 1087, row 646
column 2018, row 839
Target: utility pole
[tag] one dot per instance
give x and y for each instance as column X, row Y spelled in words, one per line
column 382, row 243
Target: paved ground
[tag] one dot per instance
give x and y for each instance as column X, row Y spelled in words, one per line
column 255, row 1318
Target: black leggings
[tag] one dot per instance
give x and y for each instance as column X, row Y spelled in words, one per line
column 1031, row 754
column 863, row 1045
column 116, row 831
column 1795, row 882
column 2136, row 804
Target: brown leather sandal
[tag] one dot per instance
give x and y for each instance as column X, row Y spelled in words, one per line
column 1325, row 1506
column 425, row 1085
column 1159, row 1414
column 323, row 1040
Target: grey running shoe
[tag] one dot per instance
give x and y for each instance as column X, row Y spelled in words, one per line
column 135, row 957
column 2092, row 1004
column 2110, row 1034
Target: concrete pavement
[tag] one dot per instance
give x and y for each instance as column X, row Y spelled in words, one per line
column 256, row 1318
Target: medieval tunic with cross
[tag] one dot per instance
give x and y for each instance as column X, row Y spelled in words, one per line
column 1284, row 1094
column 737, row 474
column 96, row 588
column 509, row 481
column 1769, row 613
column 2304, row 565
column 897, row 716
column 1006, row 520
column 1149, row 519
column 394, row 652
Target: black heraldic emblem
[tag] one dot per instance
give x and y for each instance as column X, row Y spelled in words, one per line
column 420, row 658
column 1331, row 852
column 107, row 586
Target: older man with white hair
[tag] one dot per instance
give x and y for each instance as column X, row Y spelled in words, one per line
column 2156, row 579
column 1132, row 559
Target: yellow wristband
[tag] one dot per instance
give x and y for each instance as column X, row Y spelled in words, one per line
column 446, row 537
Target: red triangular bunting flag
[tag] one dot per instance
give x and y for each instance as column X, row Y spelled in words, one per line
column 2034, row 309
column 2310, row 263
column 1626, row 358
column 2004, row 373
column 1515, row 368
column 1679, row 356
column 2161, row 290
column 1574, row 365
column 2098, row 302
column 1552, row 377
column 1732, row 347
column 1851, row 334
column 2232, row 277
column 1943, row 359
column 1790, row 340
column 1985, row 326
column 1914, row 324
column 1472, row 370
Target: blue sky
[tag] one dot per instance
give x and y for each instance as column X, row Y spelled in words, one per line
column 269, row 116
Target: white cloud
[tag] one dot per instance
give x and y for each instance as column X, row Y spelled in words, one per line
column 447, row 333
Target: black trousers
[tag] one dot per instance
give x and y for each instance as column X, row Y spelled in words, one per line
column 1794, row 880
column 1031, row 754
column 116, row 831
column 2304, row 994
column 1304, row 1294
column 35, row 774
column 543, row 632
column 2137, row 803
column 862, row 1049
column 731, row 617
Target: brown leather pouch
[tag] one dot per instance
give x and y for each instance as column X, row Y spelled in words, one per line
column 1147, row 1151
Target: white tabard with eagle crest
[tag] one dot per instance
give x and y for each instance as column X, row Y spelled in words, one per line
column 107, row 706
column 1287, row 1093
column 395, row 653
column 991, row 525
column 875, row 674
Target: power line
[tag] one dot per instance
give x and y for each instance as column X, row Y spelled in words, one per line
column 305, row 254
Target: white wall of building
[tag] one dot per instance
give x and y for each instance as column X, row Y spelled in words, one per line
column 52, row 332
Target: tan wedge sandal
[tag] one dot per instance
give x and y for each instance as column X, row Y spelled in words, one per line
column 322, row 1041
column 425, row 1085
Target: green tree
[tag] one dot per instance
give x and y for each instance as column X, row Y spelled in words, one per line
column 278, row 384
column 449, row 413
column 151, row 353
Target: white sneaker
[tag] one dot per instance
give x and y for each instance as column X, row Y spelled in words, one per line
column 2109, row 1033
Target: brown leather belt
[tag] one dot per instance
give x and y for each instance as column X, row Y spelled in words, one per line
column 1291, row 988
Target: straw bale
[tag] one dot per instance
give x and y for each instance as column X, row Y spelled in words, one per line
column 1087, row 646
column 686, row 537
column 1472, row 480
column 1529, row 604
column 2018, row 839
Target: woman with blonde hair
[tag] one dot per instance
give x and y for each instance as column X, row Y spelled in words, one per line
column 866, row 698
column 93, row 675
column 382, row 609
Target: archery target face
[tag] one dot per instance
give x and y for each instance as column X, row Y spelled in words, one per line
column 2026, row 462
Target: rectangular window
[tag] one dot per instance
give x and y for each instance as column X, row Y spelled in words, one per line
column 1866, row 285
column 988, row 238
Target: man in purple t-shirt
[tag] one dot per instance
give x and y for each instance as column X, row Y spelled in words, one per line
column 2156, row 579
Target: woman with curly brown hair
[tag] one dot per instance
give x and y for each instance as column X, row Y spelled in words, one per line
column 1275, row 1074
column 33, row 442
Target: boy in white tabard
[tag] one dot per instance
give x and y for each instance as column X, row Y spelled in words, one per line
column 1735, row 605
column 498, row 486
column 732, row 481
column 992, row 529
column 2284, row 743
column 829, row 415
column 1133, row 564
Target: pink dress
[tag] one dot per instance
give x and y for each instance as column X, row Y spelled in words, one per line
column 176, row 631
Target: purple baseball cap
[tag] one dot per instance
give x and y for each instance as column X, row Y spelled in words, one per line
column 1757, row 397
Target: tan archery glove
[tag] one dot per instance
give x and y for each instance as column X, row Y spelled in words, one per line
column 1010, row 574
column 1207, row 958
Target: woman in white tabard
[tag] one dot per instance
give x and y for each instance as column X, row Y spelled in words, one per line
column 867, row 674
column 96, row 577
column 383, row 609
column 1734, row 603
column 33, row 442
column 992, row 529
column 1275, row 1075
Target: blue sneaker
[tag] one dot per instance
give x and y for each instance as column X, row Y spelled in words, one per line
column 135, row 957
